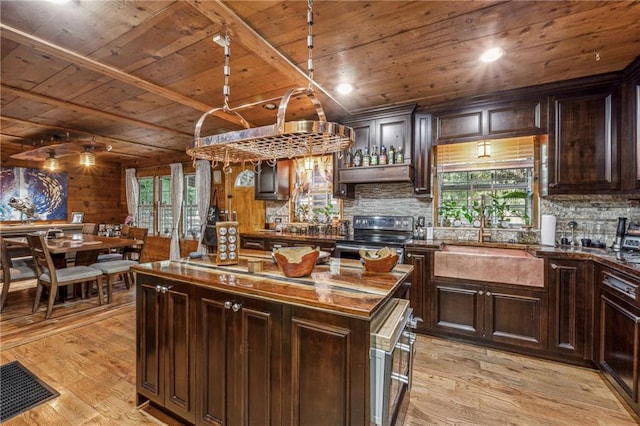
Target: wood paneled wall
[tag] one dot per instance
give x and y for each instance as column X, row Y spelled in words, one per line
column 94, row 191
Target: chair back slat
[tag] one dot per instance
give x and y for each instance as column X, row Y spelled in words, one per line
column 5, row 262
column 41, row 255
column 90, row 228
column 135, row 252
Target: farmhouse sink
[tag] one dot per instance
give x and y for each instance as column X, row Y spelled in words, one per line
column 489, row 264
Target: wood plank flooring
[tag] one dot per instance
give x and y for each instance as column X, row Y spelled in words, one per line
column 87, row 353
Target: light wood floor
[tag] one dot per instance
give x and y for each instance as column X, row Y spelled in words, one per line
column 87, row 353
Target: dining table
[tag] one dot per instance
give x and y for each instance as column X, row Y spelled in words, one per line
column 87, row 244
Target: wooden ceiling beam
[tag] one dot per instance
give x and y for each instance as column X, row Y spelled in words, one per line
column 86, row 110
column 109, row 71
column 99, row 138
column 219, row 13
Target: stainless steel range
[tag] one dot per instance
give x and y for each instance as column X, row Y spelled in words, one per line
column 374, row 232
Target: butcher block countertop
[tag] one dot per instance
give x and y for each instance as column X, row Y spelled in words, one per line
column 341, row 286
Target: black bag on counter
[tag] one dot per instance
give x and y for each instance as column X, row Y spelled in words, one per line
column 209, row 237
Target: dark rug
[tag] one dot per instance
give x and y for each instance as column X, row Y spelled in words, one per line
column 21, row 390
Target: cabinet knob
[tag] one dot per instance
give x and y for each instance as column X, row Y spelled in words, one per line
column 554, row 266
column 409, row 255
column 488, row 294
column 480, row 292
column 236, row 306
column 163, row 288
column 228, row 304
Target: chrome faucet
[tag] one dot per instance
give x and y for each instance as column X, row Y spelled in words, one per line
column 484, row 234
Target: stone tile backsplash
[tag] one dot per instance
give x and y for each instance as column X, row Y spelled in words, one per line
column 396, row 199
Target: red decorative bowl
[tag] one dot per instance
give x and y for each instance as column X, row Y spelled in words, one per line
column 384, row 264
column 300, row 267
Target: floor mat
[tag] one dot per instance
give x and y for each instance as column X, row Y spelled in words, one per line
column 21, row 390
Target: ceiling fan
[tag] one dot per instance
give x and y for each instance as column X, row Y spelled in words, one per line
column 73, row 147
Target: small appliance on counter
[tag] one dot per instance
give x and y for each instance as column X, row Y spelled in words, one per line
column 631, row 238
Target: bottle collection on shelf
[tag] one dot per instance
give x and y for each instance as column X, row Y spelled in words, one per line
column 362, row 157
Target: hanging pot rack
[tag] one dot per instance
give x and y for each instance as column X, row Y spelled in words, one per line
column 284, row 139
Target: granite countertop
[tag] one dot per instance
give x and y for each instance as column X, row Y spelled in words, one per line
column 341, row 286
column 298, row 236
column 607, row 257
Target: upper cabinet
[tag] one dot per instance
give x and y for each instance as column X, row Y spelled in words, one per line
column 584, row 143
column 272, row 182
column 631, row 129
column 495, row 120
column 422, row 156
column 391, row 127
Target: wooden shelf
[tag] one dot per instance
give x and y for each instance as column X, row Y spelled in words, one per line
column 373, row 174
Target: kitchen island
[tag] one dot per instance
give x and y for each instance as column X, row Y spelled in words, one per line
column 220, row 345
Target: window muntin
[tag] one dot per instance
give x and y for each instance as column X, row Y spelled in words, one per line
column 155, row 208
column 504, row 182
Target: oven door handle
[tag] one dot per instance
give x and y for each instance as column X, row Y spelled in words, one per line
column 355, row 247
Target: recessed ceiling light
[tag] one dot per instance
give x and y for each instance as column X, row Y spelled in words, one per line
column 492, row 54
column 270, row 106
column 344, row 88
column 58, row 1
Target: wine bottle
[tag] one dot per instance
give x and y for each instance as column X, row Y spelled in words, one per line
column 399, row 155
column 374, row 156
column 366, row 158
column 357, row 158
column 391, row 157
column 382, row 160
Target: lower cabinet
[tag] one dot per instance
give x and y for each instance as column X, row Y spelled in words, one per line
column 487, row 312
column 238, row 370
column 421, row 260
column 620, row 335
column 165, row 364
column 208, row 357
column 570, row 308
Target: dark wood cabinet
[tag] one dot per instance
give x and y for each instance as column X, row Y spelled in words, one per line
column 422, row 261
column 165, row 356
column 491, row 313
column 584, row 143
column 384, row 126
column 268, row 243
column 272, row 182
column 618, row 356
column 238, row 371
column 630, row 158
column 570, row 308
column 328, row 379
column 495, row 120
column 422, row 156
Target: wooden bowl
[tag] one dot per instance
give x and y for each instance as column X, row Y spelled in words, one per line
column 384, row 264
column 296, row 269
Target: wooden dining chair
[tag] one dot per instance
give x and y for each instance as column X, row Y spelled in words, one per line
column 13, row 270
column 90, row 228
column 132, row 255
column 117, row 253
column 53, row 277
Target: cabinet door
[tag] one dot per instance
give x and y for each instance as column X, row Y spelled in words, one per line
column 166, row 345
column 396, row 132
column 364, row 134
column 569, row 308
column 422, row 155
column 459, row 126
column 179, row 349
column 417, row 292
column 456, row 309
column 511, row 119
column 341, row 190
column 239, row 372
column 515, row 317
column 149, row 317
column 272, row 182
column 620, row 344
column 584, row 142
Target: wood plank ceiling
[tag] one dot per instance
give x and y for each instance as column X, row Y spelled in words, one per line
column 136, row 75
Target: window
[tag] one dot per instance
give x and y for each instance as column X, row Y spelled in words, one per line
column 501, row 185
column 312, row 196
column 156, row 192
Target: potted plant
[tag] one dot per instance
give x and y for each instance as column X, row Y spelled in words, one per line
column 450, row 213
column 472, row 214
